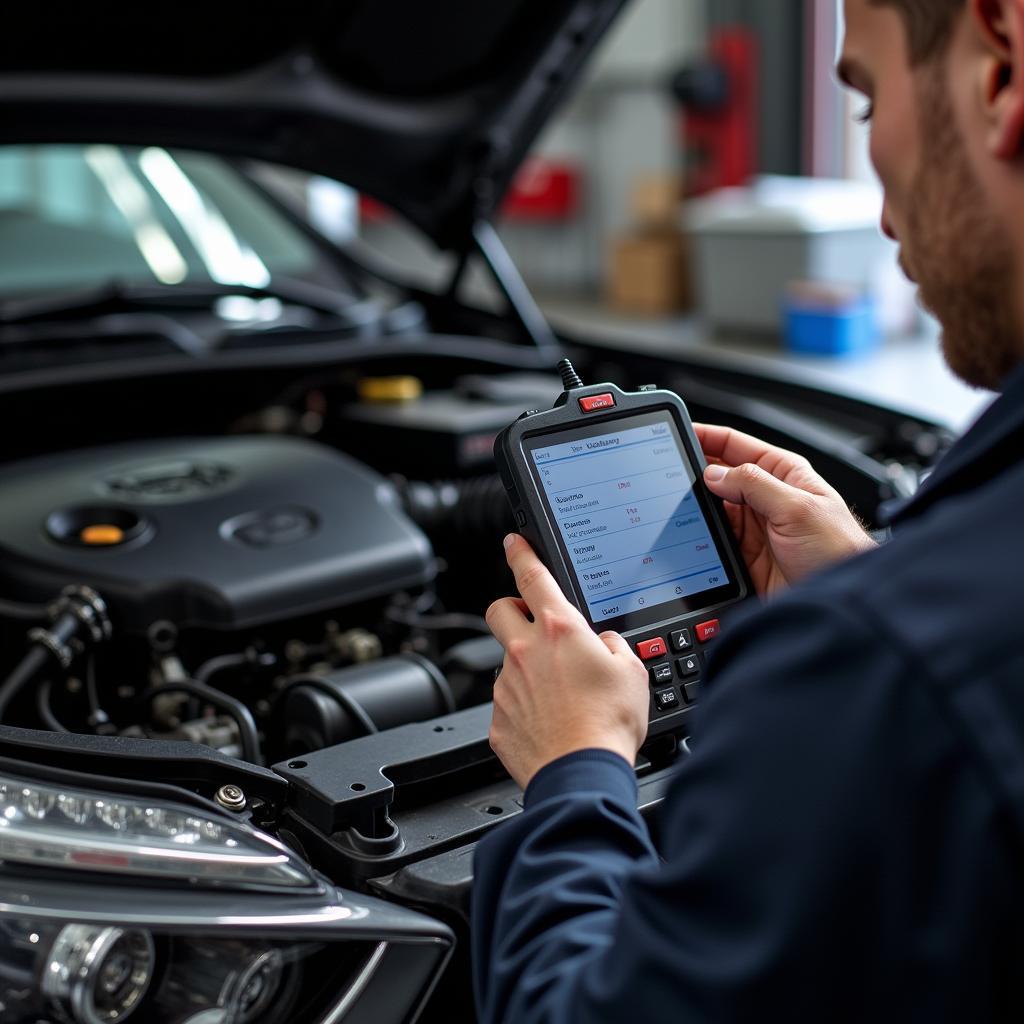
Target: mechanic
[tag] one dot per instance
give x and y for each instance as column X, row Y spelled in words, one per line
column 845, row 842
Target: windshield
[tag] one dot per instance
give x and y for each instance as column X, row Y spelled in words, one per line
column 118, row 252
column 84, row 216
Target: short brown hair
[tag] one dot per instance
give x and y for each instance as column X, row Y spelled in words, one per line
column 929, row 24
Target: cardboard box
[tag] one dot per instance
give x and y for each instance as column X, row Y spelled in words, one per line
column 656, row 201
column 649, row 273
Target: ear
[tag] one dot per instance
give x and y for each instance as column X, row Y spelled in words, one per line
column 1000, row 28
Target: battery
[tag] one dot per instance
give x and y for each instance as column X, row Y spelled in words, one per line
column 442, row 433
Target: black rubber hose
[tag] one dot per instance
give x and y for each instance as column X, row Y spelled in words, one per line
column 79, row 617
column 17, row 977
column 442, row 621
column 37, row 658
column 50, row 720
column 483, row 508
column 222, row 662
column 248, row 734
column 476, row 506
column 350, row 704
column 97, row 716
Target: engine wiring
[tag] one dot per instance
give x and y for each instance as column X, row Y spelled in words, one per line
column 248, row 658
column 65, row 683
column 50, row 720
column 98, row 718
column 27, row 669
column 235, row 709
column 439, row 621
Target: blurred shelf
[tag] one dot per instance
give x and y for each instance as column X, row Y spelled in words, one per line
column 903, row 373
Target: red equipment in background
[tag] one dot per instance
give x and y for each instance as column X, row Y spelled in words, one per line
column 719, row 100
column 543, row 190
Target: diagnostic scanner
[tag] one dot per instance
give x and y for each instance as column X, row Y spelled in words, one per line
column 608, row 488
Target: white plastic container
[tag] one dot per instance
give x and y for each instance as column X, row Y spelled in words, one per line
column 751, row 243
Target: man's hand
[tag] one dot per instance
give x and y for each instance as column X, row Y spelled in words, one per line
column 561, row 688
column 788, row 520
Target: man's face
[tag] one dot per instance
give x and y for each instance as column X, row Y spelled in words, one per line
column 951, row 241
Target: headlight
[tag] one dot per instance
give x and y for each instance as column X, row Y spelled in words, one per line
column 98, row 974
column 114, row 910
column 45, row 826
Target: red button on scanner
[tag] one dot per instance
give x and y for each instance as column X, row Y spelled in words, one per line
column 595, row 402
column 708, row 630
column 648, row 649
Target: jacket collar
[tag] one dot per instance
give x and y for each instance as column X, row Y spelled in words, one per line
column 992, row 445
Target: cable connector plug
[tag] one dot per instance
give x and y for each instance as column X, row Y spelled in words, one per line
column 570, row 378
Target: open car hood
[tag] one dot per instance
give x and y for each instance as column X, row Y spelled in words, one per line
column 427, row 107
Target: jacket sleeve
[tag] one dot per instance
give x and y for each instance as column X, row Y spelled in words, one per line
column 825, row 828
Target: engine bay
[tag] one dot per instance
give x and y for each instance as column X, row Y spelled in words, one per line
column 278, row 608
column 310, row 566
column 266, row 580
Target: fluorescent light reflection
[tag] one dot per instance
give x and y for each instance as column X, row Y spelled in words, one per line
column 242, row 309
column 157, row 247
column 227, row 260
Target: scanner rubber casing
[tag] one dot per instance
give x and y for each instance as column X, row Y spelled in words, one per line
column 535, row 522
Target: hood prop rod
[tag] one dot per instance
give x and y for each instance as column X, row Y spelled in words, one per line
column 506, row 275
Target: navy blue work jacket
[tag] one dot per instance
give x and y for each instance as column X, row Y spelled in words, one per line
column 845, row 842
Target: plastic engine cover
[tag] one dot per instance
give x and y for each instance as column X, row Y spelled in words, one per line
column 222, row 533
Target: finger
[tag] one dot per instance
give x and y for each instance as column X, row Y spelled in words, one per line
column 522, row 606
column 506, row 618
column 496, row 733
column 730, row 446
column 757, row 489
column 536, row 585
column 735, row 516
column 734, row 448
column 614, row 642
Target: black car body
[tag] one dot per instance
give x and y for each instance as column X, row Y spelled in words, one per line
column 243, row 559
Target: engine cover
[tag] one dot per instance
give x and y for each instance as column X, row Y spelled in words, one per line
column 214, row 533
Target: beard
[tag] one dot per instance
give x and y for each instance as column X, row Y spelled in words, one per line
column 959, row 252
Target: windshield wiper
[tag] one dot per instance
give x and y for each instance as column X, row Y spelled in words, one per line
column 130, row 327
column 122, row 297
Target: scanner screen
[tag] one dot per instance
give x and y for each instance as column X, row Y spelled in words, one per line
column 624, row 504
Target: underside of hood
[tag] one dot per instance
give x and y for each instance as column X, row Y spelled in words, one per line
column 428, row 107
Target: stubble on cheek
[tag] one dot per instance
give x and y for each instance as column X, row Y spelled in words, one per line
column 958, row 251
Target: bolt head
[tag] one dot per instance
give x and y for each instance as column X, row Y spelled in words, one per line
column 230, row 797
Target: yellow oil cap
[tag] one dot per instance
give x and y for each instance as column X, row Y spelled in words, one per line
column 390, row 389
column 101, row 535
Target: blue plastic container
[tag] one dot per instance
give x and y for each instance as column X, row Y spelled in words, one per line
column 846, row 329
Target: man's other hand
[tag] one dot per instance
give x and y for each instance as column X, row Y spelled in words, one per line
column 561, row 688
column 788, row 520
